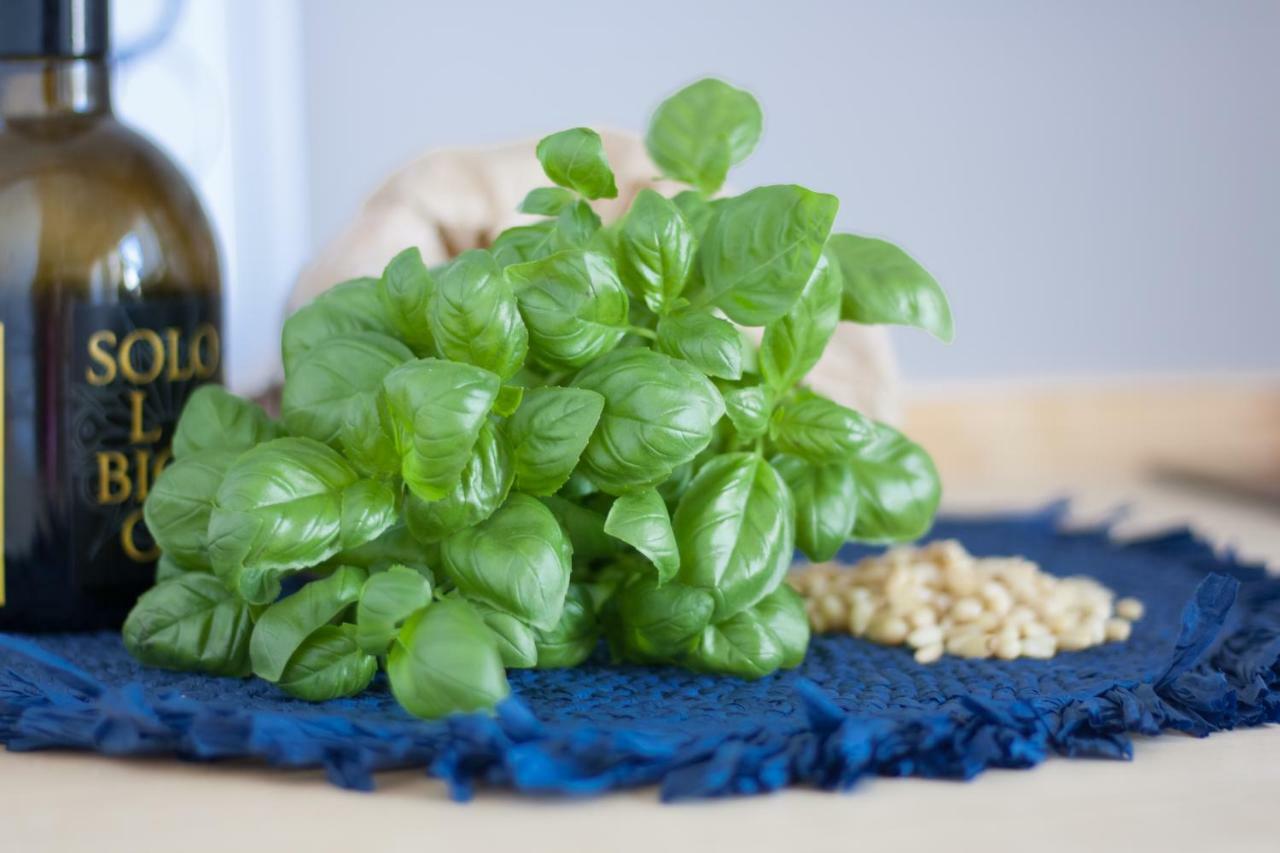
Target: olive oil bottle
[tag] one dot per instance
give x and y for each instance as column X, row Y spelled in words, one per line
column 110, row 305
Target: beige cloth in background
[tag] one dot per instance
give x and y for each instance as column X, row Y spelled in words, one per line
column 451, row 200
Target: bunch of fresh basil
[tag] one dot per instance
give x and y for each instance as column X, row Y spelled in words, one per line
column 564, row 437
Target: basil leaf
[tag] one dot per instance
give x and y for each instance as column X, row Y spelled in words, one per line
column 474, row 318
column 328, row 665
column 285, row 625
column 575, row 159
column 574, row 636
column 280, row 509
column 782, row 612
column 394, row 546
column 818, row 429
column 674, row 486
column 702, row 130
column 576, row 226
column 178, row 506
column 518, row 561
column 546, row 201
column 883, row 284
column 898, row 488
column 573, row 305
column 517, row 644
column 445, row 660
column 524, row 243
column 353, row 306
column 697, row 210
column 168, row 568
column 548, row 433
column 332, row 385
column 793, row 344
column 653, row 623
column 760, row 251
column 826, row 500
column 654, row 251
column 215, row 419
column 485, row 482
column 748, row 409
column 509, row 399
column 584, row 527
column 736, row 532
column 707, row 342
column 369, row 508
column 387, row 600
column 367, row 442
column 640, row 519
column 658, row 413
column 436, row 409
column 742, row 645
column 191, row 622
column 406, row 290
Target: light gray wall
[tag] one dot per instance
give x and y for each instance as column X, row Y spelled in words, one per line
column 1095, row 183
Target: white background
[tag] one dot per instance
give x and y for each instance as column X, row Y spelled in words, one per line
column 1095, row 183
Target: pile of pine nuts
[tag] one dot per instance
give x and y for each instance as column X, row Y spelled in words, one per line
column 940, row 598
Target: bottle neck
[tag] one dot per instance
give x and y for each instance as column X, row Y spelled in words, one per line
column 46, row 88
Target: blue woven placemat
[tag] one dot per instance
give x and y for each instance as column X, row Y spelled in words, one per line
column 1205, row 657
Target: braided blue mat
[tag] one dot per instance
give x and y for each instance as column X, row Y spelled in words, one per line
column 1206, row 657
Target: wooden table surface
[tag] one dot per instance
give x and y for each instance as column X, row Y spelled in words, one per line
column 1179, row 793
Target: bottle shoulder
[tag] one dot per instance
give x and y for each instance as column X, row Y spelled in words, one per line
column 76, row 192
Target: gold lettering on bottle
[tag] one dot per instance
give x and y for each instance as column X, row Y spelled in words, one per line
column 98, row 342
column 114, row 485
column 206, row 350
column 138, row 434
column 152, row 370
column 173, row 355
column 129, row 540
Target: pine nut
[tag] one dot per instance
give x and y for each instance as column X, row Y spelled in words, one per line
column 1130, row 608
column 1118, row 630
column 928, row 654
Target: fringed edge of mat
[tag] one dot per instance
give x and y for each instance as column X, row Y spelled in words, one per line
column 1210, row 683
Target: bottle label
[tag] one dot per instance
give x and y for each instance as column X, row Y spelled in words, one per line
column 132, row 369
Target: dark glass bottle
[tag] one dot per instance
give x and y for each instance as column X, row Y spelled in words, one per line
column 111, row 309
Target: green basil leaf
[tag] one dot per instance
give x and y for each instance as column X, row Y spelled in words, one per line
column 793, row 344
column 394, row 546
column 674, row 486
column 748, row 409
column 485, row 482
column 517, row 643
column 509, row 399
column 782, row 612
column 735, row 529
column 285, row 625
column 518, row 561
column 334, row 384
column 707, row 342
column 436, row 409
column 369, row 509
column 191, row 622
column 474, row 318
column 573, row 637
column 697, row 210
column 573, row 305
column 826, row 500
column 353, row 306
column 742, row 645
column 406, row 289
column 280, row 509
column 654, row 251
column 654, row 624
column 546, row 201
column 366, row 440
column 584, row 527
column 576, row 226
column 898, row 488
column 658, row 414
column 328, row 665
column 575, row 159
column 702, row 130
column 524, row 243
column 760, row 251
column 444, row 661
column 883, row 284
column 818, row 429
column 548, row 434
column 178, row 506
column 169, row 567
column 640, row 519
column 215, row 419
column 387, row 600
